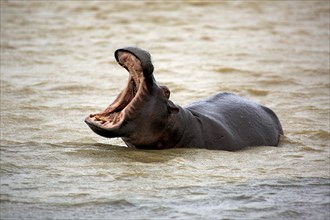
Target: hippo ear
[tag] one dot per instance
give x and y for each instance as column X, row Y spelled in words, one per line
column 172, row 108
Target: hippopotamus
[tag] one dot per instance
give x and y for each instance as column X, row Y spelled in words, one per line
column 143, row 116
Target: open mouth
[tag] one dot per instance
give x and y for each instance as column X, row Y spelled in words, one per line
column 113, row 116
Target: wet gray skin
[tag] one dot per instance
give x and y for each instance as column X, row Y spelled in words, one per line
column 144, row 117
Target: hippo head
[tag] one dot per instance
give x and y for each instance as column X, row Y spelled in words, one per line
column 142, row 112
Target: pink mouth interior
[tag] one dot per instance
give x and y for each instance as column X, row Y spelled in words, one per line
column 113, row 115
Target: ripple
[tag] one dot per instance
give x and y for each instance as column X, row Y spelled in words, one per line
column 58, row 63
column 228, row 70
column 258, row 92
column 316, row 134
column 113, row 203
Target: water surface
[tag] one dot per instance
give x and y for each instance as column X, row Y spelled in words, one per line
column 57, row 66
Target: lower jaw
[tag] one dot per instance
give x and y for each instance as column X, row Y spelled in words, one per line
column 103, row 122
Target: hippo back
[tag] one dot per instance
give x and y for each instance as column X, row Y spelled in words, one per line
column 230, row 122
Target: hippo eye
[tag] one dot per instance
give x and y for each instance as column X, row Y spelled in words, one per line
column 167, row 94
column 166, row 91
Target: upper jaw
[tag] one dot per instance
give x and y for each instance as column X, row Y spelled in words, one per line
column 142, row 55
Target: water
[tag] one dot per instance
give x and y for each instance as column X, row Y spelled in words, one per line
column 57, row 66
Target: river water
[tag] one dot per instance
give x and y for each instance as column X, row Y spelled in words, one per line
column 57, row 67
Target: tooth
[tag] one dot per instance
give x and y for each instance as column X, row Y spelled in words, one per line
column 115, row 119
column 101, row 118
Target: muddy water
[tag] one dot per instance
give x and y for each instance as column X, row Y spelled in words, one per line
column 57, row 66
